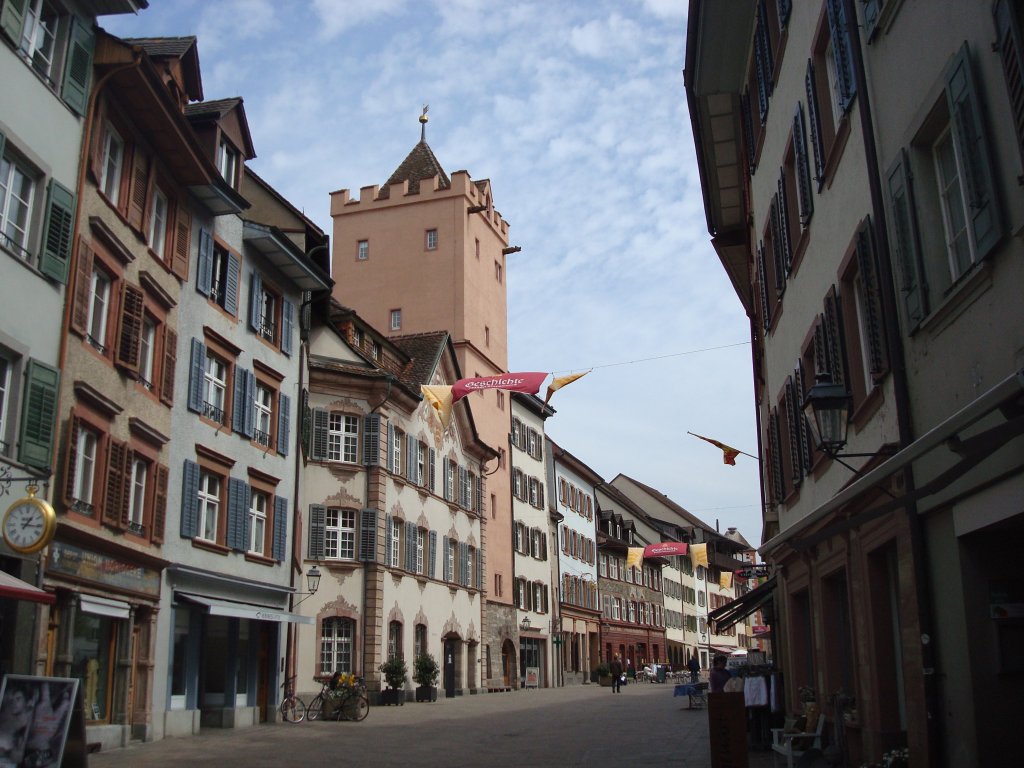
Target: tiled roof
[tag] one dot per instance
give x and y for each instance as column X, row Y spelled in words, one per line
column 420, row 164
column 163, row 46
column 213, row 107
column 423, row 350
column 679, row 510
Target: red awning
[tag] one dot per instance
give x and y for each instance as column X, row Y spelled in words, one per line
column 16, row 589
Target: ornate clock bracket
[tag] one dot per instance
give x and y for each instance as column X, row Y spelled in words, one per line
column 6, row 479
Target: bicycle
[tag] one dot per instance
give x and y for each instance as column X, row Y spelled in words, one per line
column 293, row 709
column 340, row 698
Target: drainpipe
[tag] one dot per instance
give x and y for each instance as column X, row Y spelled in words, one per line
column 894, row 342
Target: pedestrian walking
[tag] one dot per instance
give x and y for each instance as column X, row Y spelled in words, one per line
column 616, row 668
column 694, row 666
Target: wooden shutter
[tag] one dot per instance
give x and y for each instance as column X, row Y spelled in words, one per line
column 463, row 563
column 388, row 545
column 71, row 459
column 785, row 242
column 232, row 277
column 447, row 479
column 842, row 51
column 967, row 121
column 814, row 122
column 156, row 533
column 126, row 486
column 38, row 414
column 317, row 528
column 479, row 483
column 368, row 536
column 82, row 288
column 284, row 405
column 778, row 246
column 905, row 240
column 432, row 554
column 872, row 299
column 802, row 167
column 182, row 240
column 445, row 565
column 204, row 267
column 762, row 62
column 114, row 493
column 196, row 378
column 371, row 439
column 1011, row 49
column 255, row 301
column 130, row 334
column 12, row 19
column 747, row 125
column 239, row 423
column 238, row 514
column 775, row 458
column 784, row 7
column 78, row 67
column 318, row 447
column 762, row 281
column 410, row 546
column 431, row 469
column 835, row 339
column 280, row 528
column 802, row 432
column 287, row 326
column 793, row 415
column 138, row 191
column 410, row 459
column 190, row 500
column 57, row 232
column 170, row 363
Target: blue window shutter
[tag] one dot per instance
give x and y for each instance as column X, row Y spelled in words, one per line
column 249, row 412
column 371, row 439
column 390, row 453
column 238, row 514
column 190, row 500
column 785, row 7
column 445, row 569
column 318, row 449
column 463, row 502
column 480, row 496
column 280, row 528
column 368, row 536
column 479, row 576
column 387, row 540
column 410, row 546
column 432, row 557
column 905, row 241
column 78, row 67
column 967, row 121
column 284, row 404
column 431, row 469
column 238, row 420
column 60, row 221
column 410, row 459
column 204, row 269
column 317, row 525
column 38, row 414
column 870, row 17
column 287, row 325
column 1011, row 49
column 13, row 19
column 197, row 364
column 842, row 51
column 255, row 301
column 231, row 284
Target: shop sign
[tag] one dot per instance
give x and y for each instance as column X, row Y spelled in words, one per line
column 69, row 560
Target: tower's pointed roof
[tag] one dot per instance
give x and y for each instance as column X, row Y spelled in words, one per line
column 418, row 165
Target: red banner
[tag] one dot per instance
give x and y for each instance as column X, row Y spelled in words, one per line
column 666, row 549
column 516, row 382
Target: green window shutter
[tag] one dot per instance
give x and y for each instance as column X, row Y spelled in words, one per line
column 317, row 525
column 1011, row 50
column 57, row 231
column 78, row 67
column 35, row 441
column 905, row 240
column 13, row 18
column 967, row 121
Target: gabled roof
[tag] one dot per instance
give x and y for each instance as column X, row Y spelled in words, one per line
column 184, row 48
column 214, row 107
column 424, row 351
column 665, row 500
column 418, row 165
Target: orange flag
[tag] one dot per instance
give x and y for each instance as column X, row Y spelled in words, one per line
column 560, row 381
column 729, row 454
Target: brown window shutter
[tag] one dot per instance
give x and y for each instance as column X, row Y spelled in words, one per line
column 127, row 354
column 182, row 242
column 99, row 134
column 159, row 504
column 70, row 459
column 139, row 191
column 83, row 285
column 170, row 359
column 115, row 483
column 126, row 486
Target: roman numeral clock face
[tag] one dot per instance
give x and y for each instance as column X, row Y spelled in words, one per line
column 28, row 525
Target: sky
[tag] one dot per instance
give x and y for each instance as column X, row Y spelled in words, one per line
column 575, row 110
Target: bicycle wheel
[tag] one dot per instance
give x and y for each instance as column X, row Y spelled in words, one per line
column 316, row 707
column 356, row 707
column 293, row 710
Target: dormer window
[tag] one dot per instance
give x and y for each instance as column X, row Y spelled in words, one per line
column 228, row 161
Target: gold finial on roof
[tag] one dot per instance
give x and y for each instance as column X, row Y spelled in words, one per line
column 423, row 122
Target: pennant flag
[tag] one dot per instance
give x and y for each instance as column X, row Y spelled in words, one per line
column 725, row 580
column 440, row 399
column 665, row 549
column 700, row 554
column 516, row 382
column 636, row 554
column 560, row 381
column 728, row 454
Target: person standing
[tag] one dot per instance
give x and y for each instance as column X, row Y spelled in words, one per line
column 694, row 666
column 719, row 674
column 616, row 668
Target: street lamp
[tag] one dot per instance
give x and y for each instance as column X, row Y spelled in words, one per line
column 827, row 411
column 525, row 624
column 312, row 583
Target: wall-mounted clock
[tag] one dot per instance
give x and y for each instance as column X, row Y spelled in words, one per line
column 29, row 524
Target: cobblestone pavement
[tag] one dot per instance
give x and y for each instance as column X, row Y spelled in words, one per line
column 578, row 726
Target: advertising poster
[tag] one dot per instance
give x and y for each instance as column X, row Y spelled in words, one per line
column 34, row 716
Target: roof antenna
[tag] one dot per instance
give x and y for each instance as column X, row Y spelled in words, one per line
column 423, row 123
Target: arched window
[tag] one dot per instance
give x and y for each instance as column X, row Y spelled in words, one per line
column 420, row 640
column 336, row 645
column 394, row 640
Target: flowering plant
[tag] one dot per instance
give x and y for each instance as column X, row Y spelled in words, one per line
column 896, row 758
column 806, row 693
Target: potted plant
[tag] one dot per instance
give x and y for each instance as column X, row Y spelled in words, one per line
column 604, row 674
column 395, row 675
column 425, row 672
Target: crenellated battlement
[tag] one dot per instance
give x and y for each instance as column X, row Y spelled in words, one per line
column 374, row 197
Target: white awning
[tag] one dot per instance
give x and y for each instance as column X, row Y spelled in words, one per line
column 102, row 606
column 234, row 610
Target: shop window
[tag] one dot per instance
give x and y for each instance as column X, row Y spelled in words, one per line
column 92, row 657
column 336, row 644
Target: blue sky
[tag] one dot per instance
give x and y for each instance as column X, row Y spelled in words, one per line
column 575, row 110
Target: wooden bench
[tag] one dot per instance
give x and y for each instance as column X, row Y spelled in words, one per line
column 794, row 744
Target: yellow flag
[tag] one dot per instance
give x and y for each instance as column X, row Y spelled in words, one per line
column 725, row 580
column 560, row 381
column 440, row 399
column 699, row 553
column 634, row 557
